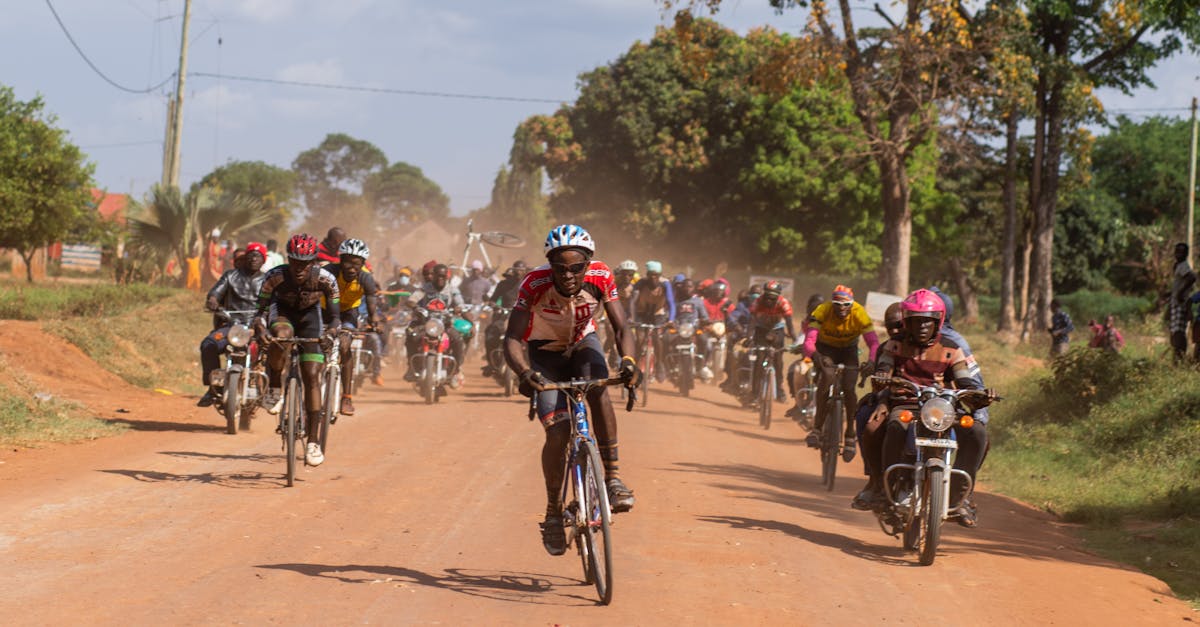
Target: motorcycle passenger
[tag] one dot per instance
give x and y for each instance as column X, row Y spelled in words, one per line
column 327, row 253
column 551, row 336
column 236, row 290
column 504, row 295
column 832, row 339
column 653, row 302
column 690, row 309
column 357, row 287
column 293, row 294
column 770, row 314
column 893, row 322
column 439, row 288
column 923, row 355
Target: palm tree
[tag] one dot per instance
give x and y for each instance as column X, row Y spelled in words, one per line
column 174, row 225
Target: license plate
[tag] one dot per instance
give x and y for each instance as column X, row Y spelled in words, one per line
column 356, row 343
column 937, row 443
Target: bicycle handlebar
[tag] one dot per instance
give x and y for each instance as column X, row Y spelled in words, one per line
column 583, row 385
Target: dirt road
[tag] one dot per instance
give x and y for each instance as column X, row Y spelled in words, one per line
column 427, row 515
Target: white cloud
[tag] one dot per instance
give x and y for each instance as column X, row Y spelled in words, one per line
column 327, row 71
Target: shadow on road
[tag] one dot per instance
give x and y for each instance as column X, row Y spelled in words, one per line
column 252, row 457
column 163, row 425
column 894, row 556
column 501, row 585
column 240, row 480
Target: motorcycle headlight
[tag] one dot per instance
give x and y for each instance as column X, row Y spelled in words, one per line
column 434, row 328
column 938, row 414
column 718, row 328
column 687, row 329
column 239, row 335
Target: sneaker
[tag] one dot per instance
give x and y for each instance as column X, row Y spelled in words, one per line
column 207, row 400
column 456, row 380
column 620, row 497
column 554, row 537
column 272, row 399
column 313, row 455
column 813, row 439
column 706, row 374
column 347, row 406
column 849, row 445
column 377, row 379
column 410, row 376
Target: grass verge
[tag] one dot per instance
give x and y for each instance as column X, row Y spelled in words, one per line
column 27, row 420
column 1111, row 442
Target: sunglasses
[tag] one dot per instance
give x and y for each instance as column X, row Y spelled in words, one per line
column 574, row 268
column 843, row 305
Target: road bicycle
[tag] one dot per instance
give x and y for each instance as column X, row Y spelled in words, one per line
column 583, row 496
column 831, row 433
column 648, row 359
column 292, row 425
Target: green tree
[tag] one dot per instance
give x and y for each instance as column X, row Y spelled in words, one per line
column 44, row 180
column 332, row 177
column 273, row 186
column 1143, row 165
column 400, row 194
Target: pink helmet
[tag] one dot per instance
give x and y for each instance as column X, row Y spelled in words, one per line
column 925, row 304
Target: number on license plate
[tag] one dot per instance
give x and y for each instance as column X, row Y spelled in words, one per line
column 937, row 442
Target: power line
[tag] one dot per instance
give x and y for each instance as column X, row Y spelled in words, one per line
column 93, row 65
column 378, row 90
column 1149, row 109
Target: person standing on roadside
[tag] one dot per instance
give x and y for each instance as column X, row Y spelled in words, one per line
column 1177, row 305
column 274, row 258
column 1060, row 329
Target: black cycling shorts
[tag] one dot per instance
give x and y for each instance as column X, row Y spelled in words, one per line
column 585, row 362
column 305, row 323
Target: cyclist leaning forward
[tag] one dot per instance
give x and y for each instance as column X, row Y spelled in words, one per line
column 356, row 286
column 293, row 293
column 554, row 317
column 832, row 338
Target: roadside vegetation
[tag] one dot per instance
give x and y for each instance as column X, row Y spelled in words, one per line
column 29, row 417
column 1109, row 442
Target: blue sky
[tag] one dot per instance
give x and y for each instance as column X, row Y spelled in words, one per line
column 521, row 48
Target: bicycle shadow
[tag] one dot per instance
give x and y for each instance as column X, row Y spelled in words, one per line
column 500, row 585
column 164, row 425
column 231, row 479
column 884, row 554
column 253, row 457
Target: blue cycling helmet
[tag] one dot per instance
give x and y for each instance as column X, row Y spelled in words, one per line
column 569, row 236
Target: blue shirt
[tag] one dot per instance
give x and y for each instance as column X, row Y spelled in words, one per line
column 1061, row 322
column 949, row 333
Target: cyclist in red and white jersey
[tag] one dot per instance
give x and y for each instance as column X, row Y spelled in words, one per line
column 551, row 336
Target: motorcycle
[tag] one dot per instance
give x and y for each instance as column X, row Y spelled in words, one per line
column 918, row 493
column 495, row 357
column 242, row 379
column 398, row 321
column 683, row 363
column 433, row 364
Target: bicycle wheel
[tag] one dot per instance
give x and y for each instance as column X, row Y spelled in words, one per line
column 333, row 390
column 765, row 397
column 831, row 437
column 647, row 375
column 597, row 521
column 291, row 409
column 501, row 239
column 233, row 385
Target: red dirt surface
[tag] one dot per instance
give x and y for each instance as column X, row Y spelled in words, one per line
column 428, row 514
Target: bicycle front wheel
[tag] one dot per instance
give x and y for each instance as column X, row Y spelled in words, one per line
column 333, row 397
column 647, row 375
column 597, row 521
column 832, row 439
column 291, row 419
column 766, row 397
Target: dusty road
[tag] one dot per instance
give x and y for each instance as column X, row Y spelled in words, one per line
column 427, row 515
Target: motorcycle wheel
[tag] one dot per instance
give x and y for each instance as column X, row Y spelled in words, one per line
column 233, row 383
column 686, row 377
column 934, row 500
column 429, row 377
column 510, row 382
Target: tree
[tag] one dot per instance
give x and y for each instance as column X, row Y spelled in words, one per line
column 332, row 176
column 44, row 181
column 273, row 186
column 1081, row 45
column 400, row 194
column 1143, row 165
column 171, row 225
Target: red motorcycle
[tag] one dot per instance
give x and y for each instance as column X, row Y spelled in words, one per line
column 433, row 362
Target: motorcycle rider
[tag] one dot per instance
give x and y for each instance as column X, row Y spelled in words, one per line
column 504, row 295
column 327, row 253
column 439, row 288
column 236, row 290
column 653, row 302
column 551, row 337
column 716, row 300
column 832, row 339
column 357, row 287
column 798, row 371
column 691, row 309
column 737, row 326
column 476, row 286
column 770, row 314
column 923, row 355
column 293, row 294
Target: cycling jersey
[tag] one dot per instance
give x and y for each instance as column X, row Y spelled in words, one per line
column 293, row 299
column 773, row 317
column 840, row 332
column 563, row 321
column 352, row 292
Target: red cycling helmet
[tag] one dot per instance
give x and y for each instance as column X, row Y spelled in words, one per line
column 924, row 304
column 302, row 247
column 774, row 288
column 428, row 267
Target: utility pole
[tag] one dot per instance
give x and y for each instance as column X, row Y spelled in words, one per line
column 170, row 175
column 1192, row 183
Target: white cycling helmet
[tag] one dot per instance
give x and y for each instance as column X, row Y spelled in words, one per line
column 355, row 247
column 654, row 266
column 628, row 265
column 569, row 236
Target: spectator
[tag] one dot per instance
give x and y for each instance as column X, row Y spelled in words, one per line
column 1106, row 336
column 1060, row 329
column 1177, row 301
column 214, row 258
column 274, row 258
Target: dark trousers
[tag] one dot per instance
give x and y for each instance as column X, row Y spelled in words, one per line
column 826, row 361
column 211, row 349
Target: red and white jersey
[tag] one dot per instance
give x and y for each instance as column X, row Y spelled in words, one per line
column 564, row 320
